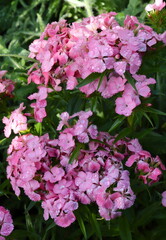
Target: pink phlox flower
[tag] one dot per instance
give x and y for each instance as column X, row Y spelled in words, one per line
column 93, row 166
column 120, row 67
column 164, row 199
column 62, row 187
column 155, row 174
column 82, row 197
column 6, row 222
column 135, row 63
column 128, row 101
column 86, row 181
column 64, row 120
column 134, row 146
column 104, row 200
column 54, row 175
column 66, row 141
column 65, row 220
column 6, row 85
column 35, row 76
column 83, row 115
column 92, row 130
column 41, row 103
column 157, row 5
column 47, row 61
column 17, row 121
column 126, row 52
column 30, row 188
column 36, row 46
column 124, row 105
column 114, row 85
column 131, row 160
column 143, row 166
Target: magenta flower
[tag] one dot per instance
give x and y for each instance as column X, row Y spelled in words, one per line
column 17, row 121
column 164, row 199
column 6, row 222
column 157, row 5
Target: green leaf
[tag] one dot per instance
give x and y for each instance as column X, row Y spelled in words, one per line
column 76, row 3
column 30, row 206
column 18, row 56
column 96, row 226
column 38, row 128
column 41, row 23
column 3, row 141
column 89, row 79
column 148, row 118
column 130, row 79
column 153, row 110
column 124, row 229
column 76, row 152
column 147, row 214
column 82, row 226
column 101, row 78
column 117, row 123
column 52, row 225
column 123, row 133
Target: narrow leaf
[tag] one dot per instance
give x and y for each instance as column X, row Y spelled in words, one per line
column 148, row 118
column 89, row 79
column 18, row 56
column 38, row 128
column 124, row 229
column 130, row 79
column 153, row 110
column 82, row 226
column 123, row 133
column 96, row 226
column 76, row 152
column 117, row 123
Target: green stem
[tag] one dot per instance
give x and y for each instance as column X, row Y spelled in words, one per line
column 88, row 7
column 18, row 56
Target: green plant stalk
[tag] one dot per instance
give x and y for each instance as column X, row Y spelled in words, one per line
column 88, row 7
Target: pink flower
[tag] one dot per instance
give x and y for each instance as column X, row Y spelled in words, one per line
column 6, row 222
column 17, row 121
column 164, row 199
column 124, row 105
column 6, row 85
column 120, row 67
column 66, row 141
column 41, row 103
column 65, row 220
column 86, row 181
column 55, row 175
column 158, row 5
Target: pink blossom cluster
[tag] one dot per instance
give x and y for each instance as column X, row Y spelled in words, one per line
column 148, row 168
column 163, row 199
column 97, row 44
column 6, row 85
column 16, row 122
column 43, row 169
column 41, row 103
column 157, row 5
column 6, row 223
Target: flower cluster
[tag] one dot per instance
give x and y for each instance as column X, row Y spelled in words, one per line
column 164, row 199
column 95, row 45
column 148, row 168
column 41, row 103
column 82, row 165
column 157, row 5
column 16, row 122
column 6, row 85
column 6, row 223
